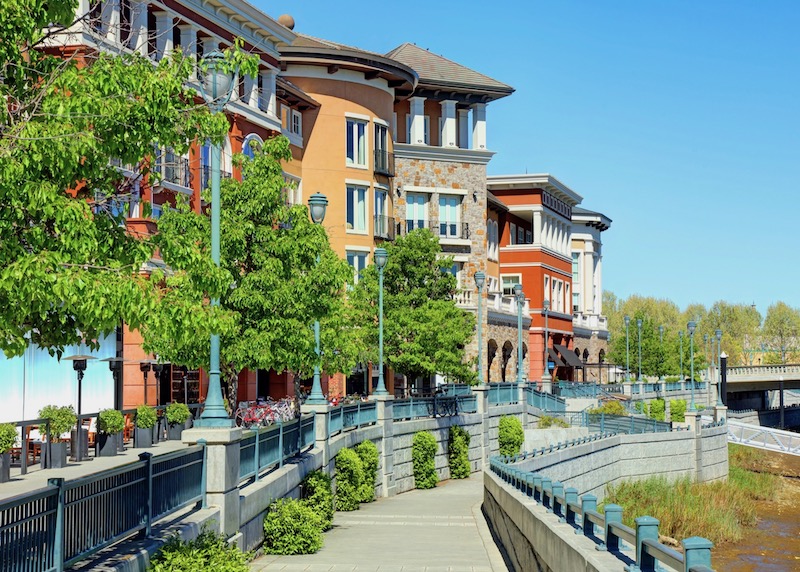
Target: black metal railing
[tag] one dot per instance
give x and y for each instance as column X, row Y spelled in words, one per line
column 205, row 177
column 449, row 229
column 384, row 163
column 383, row 227
column 173, row 169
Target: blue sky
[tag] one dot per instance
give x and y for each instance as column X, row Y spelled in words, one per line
column 679, row 120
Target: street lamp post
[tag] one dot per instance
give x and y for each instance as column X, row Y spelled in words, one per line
column 216, row 87
column 661, row 357
column 546, row 374
column 79, row 366
column 520, row 295
column 639, row 326
column 680, row 338
column 380, row 261
column 718, row 334
column 627, row 349
column 691, row 327
column 707, row 352
column 480, row 279
column 317, row 205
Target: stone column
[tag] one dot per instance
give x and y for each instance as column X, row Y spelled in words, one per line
column 479, row 126
column 222, row 471
column 189, row 46
column 693, row 418
column 537, row 227
column 447, row 138
column 112, row 21
column 268, row 92
column 667, row 408
column 138, row 38
column 164, row 44
column 720, row 413
column 321, row 430
column 463, row 128
column 385, row 422
column 417, row 106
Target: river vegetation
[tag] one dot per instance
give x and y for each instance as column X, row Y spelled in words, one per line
column 719, row 511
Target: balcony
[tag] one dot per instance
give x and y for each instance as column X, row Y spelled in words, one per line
column 495, row 301
column 450, row 229
column 205, row 176
column 384, row 163
column 590, row 321
column 173, row 171
column 383, row 227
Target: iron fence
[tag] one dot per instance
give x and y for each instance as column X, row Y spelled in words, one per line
column 263, row 448
column 545, row 401
column 503, row 393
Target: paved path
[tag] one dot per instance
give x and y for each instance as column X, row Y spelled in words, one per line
column 439, row 530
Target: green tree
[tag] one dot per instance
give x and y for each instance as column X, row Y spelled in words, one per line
column 781, row 331
column 69, row 271
column 284, row 276
column 739, row 323
column 424, row 331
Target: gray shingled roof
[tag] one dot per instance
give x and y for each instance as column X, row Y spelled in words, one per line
column 305, row 41
column 437, row 70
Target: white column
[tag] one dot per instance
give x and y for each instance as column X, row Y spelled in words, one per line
column 598, row 277
column 568, row 240
column 463, row 128
column 479, row 126
column 112, row 20
column 548, row 231
column 251, row 91
column 537, row 228
column 559, row 236
column 210, row 44
column 189, row 46
column 164, row 44
column 417, row 106
column 268, row 92
column 138, row 38
column 447, row 138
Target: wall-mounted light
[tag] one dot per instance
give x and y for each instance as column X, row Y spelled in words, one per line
column 399, row 190
column 475, row 196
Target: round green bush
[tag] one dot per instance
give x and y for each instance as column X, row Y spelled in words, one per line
column 8, row 437
column 61, row 419
column 110, row 422
column 145, row 417
column 677, row 410
column 349, row 476
column 368, row 453
column 546, row 421
column 423, row 458
column 177, row 413
column 318, row 495
column 610, row 408
column 291, row 527
column 209, row 551
column 458, row 452
column 657, row 409
column 510, row 435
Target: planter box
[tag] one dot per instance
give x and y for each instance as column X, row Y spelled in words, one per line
column 57, row 459
column 5, row 467
column 142, row 438
column 107, row 445
column 174, row 432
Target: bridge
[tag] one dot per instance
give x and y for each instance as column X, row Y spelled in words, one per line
column 763, row 377
column 763, row 437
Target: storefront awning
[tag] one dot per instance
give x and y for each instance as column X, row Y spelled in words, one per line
column 554, row 357
column 569, row 356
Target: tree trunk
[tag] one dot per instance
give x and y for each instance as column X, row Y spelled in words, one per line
column 230, row 376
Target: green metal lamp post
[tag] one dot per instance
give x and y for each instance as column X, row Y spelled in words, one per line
column 480, row 280
column 706, row 349
column 520, row 296
column 546, row 374
column 661, row 357
column 718, row 334
column 691, row 327
column 317, row 205
column 639, row 326
column 680, row 338
column 380, row 257
column 627, row 349
column 217, row 87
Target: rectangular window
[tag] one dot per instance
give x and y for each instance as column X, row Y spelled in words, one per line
column 358, row 260
column 513, row 233
column 381, row 137
column 297, row 123
column 528, row 237
column 455, row 270
column 509, row 281
column 559, row 296
column 450, row 216
column 520, row 235
column 576, row 268
column 381, row 164
column 576, row 302
column 356, row 142
column 381, row 221
column 356, row 208
column 285, row 112
column 416, row 214
column 547, row 289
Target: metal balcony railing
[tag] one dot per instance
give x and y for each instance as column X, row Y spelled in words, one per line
column 449, row 229
column 384, row 163
column 383, row 227
column 173, row 169
column 205, row 177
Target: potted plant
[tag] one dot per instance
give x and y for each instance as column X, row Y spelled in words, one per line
column 146, row 419
column 8, row 438
column 61, row 419
column 177, row 417
column 110, row 424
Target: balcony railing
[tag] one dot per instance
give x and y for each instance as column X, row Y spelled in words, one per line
column 383, row 227
column 449, row 229
column 384, row 163
column 173, row 169
column 205, row 178
column 589, row 321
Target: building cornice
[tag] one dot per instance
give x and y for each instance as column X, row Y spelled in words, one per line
column 431, row 153
column 543, row 181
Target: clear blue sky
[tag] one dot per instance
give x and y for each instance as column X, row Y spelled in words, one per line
column 679, row 120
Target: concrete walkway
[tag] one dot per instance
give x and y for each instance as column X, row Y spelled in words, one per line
column 439, row 530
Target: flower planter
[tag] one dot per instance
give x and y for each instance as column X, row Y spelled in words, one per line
column 57, row 456
column 5, row 467
column 107, row 445
column 175, row 431
column 142, row 438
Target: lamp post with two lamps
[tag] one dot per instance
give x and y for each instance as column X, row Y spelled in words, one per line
column 718, row 334
column 639, row 326
column 546, row 381
column 627, row 349
column 317, row 206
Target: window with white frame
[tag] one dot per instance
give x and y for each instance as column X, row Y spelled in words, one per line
column 381, row 221
column 296, row 126
column 427, row 136
column 520, row 235
column 576, row 302
column 528, row 237
column 358, row 260
column 567, row 297
column 509, row 281
column 416, row 211
column 450, row 216
column 356, row 142
column 547, row 295
column 576, row 268
column 456, row 270
column 559, row 296
column 512, row 233
column 356, row 208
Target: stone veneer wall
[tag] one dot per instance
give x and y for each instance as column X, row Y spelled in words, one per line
column 594, row 344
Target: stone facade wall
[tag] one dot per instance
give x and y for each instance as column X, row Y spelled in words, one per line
column 502, row 333
column 594, row 344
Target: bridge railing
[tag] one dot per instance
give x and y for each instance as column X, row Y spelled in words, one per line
column 605, row 529
column 763, row 370
column 577, row 389
column 438, row 405
column 266, row 447
column 502, row 393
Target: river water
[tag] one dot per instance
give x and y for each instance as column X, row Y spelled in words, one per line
column 774, row 545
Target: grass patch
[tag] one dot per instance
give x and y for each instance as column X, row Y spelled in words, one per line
column 718, row 511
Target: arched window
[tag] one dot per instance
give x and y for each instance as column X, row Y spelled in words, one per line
column 251, row 143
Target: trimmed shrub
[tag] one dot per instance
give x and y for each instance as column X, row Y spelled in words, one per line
column 423, row 458
column 677, row 410
column 458, row 452
column 209, row 551
column 510, row 435
column 177, row 413
column 657, row 409
column 318, row 495
column 291, row 527
column 145, row 417
column 546, row 421
column 349, row 476
column 110, row 422
column 610, row 408
column 62, row 419
column 8, row 437
column 368, row 453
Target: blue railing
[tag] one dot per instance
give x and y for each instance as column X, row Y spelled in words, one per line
column 67, row 521
column 438, row 405
column 673, row 386
column 456, row 389
column 575, row 389
column 614, row 388
column 502, row 393
column 264, row 448
column 604, row 422
column 606, row 530
column 359, row 414
column 545, row 401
